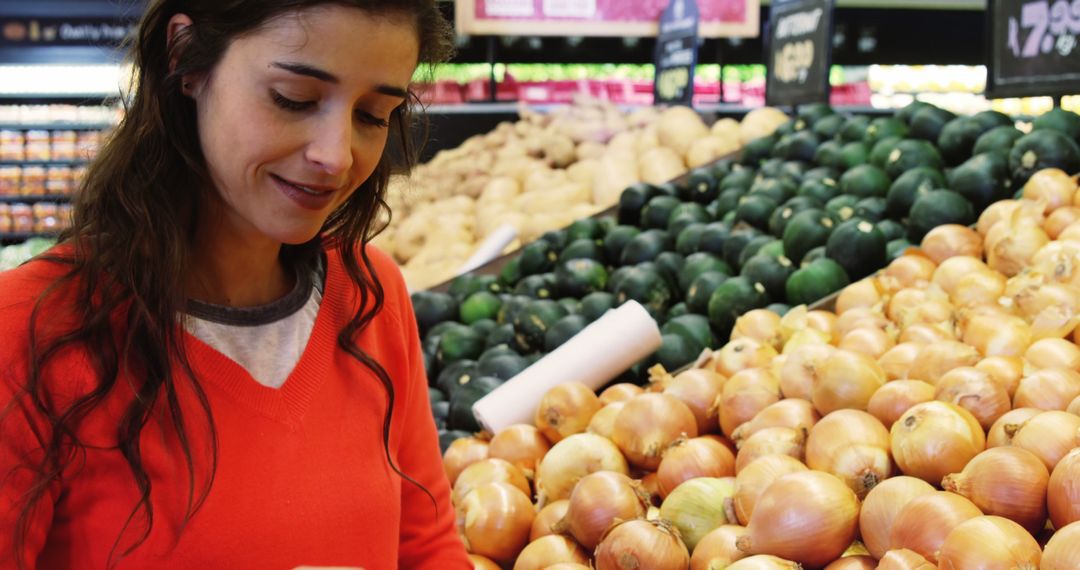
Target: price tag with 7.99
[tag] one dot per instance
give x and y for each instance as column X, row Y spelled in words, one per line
column 1045, row 26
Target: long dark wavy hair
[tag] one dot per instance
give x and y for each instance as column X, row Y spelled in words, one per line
column 134, row 220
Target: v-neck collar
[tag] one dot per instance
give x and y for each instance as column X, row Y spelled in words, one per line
column 290, row 402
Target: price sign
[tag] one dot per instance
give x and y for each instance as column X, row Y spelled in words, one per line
column 1034, row 47
column 676, row 53
column 798, row 52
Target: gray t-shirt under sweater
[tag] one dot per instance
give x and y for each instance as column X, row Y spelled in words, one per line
column 266, row 340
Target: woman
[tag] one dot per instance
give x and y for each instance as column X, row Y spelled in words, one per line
column 213, row 370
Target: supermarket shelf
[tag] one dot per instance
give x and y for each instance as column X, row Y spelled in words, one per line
column 23, row 236
column 57, row 126
column 34, row 199
column 77, row 162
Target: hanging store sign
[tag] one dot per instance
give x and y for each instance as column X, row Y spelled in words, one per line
column 718, row 18
column 48, row 32
column 676, row 53
column 798, row 52
column 1033, row 47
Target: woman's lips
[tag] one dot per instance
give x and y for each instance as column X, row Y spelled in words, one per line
column 307, row 197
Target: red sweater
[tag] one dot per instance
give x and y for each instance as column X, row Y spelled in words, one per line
column 302, row 477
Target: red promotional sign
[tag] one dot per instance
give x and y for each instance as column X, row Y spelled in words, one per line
column 719, row 18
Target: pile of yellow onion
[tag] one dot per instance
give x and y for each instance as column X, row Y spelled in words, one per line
column 932, row 420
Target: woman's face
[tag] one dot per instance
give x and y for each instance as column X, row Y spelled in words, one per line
column 294, row 117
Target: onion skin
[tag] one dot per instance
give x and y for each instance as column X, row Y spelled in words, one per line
column 620, row 392
column 547, row 517
column 1008, row 482
column 522, row 445
column 989, row 542
column 898, row 360
column 603, row 422
column 935, row 360
column 568, row 566
column 1048, row 389
column 860, row 562
column 565, row 410
column 597, row 502
column 890, row 401
column 1003, row 430
column 742, row 354
column 717, row 548
column 761, row 325
column 744, row 395
column 752, row 481
column 1074, row 406
column 697, row 457
column 1062, row 552
column 648, row 424
column 490, row 470
column 641, row 544
column 881, row 507
column 872, row 342
column 924, row 523
column 461, row 454
column 809, row 517
column 771, row 441
column 570, row 460
column 951, row 240
column 698, row 506
column 801, row 369
column 764, row 562
column 482, row 563
column 548, row 551
column 910, row 271
column 793, row 413
column 494, row 521
column 863, row 293
column 852, row 445
column 934, row 439
column 904, row 559
column 847, row 380
column 1049, row 435
column 976, row 392
column 1063, row 490
column 1005, row 370
column 699, row 389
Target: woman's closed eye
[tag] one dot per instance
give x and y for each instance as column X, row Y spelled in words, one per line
column 299, row 106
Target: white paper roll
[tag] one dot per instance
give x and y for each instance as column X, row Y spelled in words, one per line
column 594, row 356
column 490, row 248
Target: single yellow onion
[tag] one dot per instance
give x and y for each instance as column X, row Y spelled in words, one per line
column 997, row 335
column 881, row 507
column 809, row 517
column 494, row 521
column 1053, row 353
column 795, row 413
column 989, row 542
column 854, row 562
column 924, row 523
column 744, row 395
column 949, row 273
column 619, row 392
column 764, row 562
column 801, row 369
column 847, row 380
column 699, row 389
column 951, row 240
column 1001, row 210
column 771, row 441
column 1005, row 481
column 979, row 288
column 904, row 559
column 548, row 551
column 1051, row 187
column 462, row 453
column 761, row 325
column 1048, row 389
column 698, row 506
column 1003, row 430
column 742, row 354
column 894, row 398
column 648, row 424
column 752, row 481
column 565, row 410
column 642, row 544
column 603, row 421
column 936, row 359
column 976, row 392
column 910, row 270
column 852, row 445
column 522, row 445
column 904, row 302
column 547, row 518
column 898, row 360
column 570, row 460
column 1013, row 249
column 866, row 292
column 597, row 503
column 1005, row 370
column 691, row 458
column 933, row 439
column 1062, row 552
column 717, row 548
column 1063, row 490
column 872, row 342
column 490, row 470
column 1049, row 435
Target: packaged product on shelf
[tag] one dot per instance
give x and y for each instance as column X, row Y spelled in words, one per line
column 10, row 180
column 46, row 217
column 5, row 218
column 22, row 218
column 58, row 181
column 38, row 145
column 63, row 145
column 33, row 181
column 77, row 175
column 11, row 145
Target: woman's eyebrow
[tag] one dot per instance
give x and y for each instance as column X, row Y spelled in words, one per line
column 323, row 75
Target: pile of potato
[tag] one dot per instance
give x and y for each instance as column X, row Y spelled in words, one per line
column 542, row 173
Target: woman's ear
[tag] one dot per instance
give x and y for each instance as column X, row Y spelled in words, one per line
column 177, row 30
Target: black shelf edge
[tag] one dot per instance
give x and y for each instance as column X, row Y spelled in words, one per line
column 56, row 126
column 23, row 236
column 77, row 162
column 34, row 199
